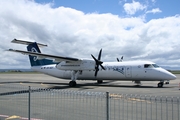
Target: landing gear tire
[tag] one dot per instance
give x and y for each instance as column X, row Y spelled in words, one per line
column 166, row 82
column 160, row 85
column 72, row 83
column 99, row 81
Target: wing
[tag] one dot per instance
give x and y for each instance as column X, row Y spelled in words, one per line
column 43, row 56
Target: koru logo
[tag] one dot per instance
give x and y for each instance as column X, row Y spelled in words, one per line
column 34, row 50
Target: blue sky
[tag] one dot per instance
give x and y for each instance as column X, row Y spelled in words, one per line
column 116, row 7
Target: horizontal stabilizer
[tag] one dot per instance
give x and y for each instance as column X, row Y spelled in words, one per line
column 27, row 42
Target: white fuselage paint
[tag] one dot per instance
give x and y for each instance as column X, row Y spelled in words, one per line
column 132, row 71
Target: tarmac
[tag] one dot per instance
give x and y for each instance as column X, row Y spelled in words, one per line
column 120, row 87
column 47, row 105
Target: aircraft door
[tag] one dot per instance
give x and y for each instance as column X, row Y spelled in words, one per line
column 128, row 71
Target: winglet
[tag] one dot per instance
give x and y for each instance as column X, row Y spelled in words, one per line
column 27, row 42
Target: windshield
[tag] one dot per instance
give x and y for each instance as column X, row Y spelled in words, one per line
column 150, row 66
column 156, row 66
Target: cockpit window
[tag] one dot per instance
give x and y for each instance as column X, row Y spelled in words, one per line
column 156, row 66
column 147, row 66
column 150, row 66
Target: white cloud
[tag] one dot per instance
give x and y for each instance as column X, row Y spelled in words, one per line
column 153, row 1
column 70, row 32
column 132, row 8
column 122, row 1
column 155, row 10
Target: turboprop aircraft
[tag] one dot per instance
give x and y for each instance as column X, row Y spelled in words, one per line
column 92, row 69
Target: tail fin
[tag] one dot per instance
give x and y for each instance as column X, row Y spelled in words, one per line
column 33, row 47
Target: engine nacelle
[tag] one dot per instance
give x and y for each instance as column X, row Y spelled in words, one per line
column 79, row 65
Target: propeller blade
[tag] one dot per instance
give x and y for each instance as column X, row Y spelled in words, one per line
column 102, row 67
column 96, row 73
column 99, row 56
column 122, row 58
column 118, row 59
column 94, row 58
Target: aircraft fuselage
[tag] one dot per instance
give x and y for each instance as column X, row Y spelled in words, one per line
column 131, row 71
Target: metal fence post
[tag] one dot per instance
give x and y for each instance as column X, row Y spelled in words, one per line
column 29, row 104
column 172, row 108
column 178, row 107
column 107, row 105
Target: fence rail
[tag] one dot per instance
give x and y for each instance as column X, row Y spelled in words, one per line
column 54, row 104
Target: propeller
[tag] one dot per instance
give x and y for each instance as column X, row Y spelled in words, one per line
column 98, row 63
column 120, row 60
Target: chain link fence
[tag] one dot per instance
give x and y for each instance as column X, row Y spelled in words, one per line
column 55, row 104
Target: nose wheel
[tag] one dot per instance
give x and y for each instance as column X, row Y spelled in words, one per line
column 160, row 84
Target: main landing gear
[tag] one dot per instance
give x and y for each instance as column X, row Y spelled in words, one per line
column 72, row 83
column 137, row 82
column 99, row 81
column 74, row 75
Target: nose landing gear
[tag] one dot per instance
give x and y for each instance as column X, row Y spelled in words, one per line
column 72, row 83
column 167, row 82
column 161, row 83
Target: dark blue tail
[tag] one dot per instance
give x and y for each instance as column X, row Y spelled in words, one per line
column 33, row 47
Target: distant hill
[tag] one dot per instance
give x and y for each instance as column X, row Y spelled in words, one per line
column 16, row 70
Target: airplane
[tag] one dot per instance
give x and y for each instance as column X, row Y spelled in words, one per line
column 92, row 69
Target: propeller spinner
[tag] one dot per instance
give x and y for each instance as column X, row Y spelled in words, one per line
column 98, row 63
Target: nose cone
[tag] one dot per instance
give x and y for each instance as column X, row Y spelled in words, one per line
column 167, row 75
column 172, row 76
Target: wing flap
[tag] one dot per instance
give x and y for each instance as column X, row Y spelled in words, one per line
column 42, row 56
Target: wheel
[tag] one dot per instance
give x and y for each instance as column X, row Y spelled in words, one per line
column 72, row 83
column 99, row 81
column 160, row 84
column 167, row 83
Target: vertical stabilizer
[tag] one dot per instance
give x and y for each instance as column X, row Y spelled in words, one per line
column 33, row 47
